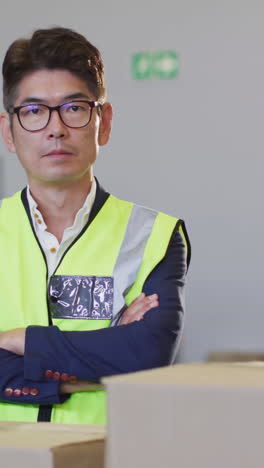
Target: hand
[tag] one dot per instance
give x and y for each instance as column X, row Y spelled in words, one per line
column 79, row 386
column 13, row 340
column 138, row 308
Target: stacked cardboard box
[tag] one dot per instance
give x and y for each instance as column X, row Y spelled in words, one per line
column 186, row 416
column 46, row 445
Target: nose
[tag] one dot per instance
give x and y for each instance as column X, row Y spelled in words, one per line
column 56, row 127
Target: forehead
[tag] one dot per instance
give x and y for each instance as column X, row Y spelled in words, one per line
column 51, row 86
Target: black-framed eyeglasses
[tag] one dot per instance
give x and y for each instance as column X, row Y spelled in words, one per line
column 74, row 114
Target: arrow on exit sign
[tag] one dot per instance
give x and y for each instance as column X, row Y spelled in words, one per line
column 159, row 65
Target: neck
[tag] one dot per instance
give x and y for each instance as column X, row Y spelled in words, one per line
column 60, row 204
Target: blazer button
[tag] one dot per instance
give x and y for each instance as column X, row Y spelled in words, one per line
column 73, row 379
column 25, row 391
column 64, row 377
column 8, row 391
column 17, row 392
column 34, row 391
column 49, row 373
column 56, row 375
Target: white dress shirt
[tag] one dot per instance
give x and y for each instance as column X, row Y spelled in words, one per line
column 51, row 247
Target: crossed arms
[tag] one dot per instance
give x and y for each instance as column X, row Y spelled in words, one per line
column 146, row 337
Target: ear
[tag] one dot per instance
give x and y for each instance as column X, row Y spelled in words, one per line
column 105, row 124
column 5, row 126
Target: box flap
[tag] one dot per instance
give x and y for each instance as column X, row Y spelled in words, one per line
column 212, row 374
column 47, row 435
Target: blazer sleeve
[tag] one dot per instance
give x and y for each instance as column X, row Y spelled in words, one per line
column 15, row 388
column 147, row 343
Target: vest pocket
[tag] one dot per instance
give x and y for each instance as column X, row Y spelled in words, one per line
column 81, row 297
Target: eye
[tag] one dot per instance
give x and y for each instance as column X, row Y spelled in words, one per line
column 34, row 110
column 31, row 110
column 75, row 107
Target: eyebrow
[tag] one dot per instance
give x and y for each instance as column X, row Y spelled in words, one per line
column 69, row 97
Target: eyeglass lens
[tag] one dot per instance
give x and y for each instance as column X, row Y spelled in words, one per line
column 36, row 116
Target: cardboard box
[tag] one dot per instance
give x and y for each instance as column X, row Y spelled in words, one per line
column 186, row 416
column 235, row 356
column 46, row 445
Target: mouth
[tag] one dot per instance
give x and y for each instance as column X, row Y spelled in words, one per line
column 58, row 153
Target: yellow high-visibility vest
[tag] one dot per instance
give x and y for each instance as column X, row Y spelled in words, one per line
column 119, row 249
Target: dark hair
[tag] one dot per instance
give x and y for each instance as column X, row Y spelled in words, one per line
column 54, row 48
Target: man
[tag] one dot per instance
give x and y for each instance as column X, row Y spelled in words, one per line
column 90, row 285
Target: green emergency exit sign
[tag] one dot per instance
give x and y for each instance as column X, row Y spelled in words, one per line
column 155, row 65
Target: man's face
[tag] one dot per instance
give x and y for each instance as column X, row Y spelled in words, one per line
column 57, row 153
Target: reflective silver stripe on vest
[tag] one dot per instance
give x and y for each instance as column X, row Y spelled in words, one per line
column 130, row 256
column 1, row 201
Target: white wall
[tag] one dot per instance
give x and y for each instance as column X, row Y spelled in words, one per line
column 192, row 147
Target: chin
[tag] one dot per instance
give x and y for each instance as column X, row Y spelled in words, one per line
column 61, row 178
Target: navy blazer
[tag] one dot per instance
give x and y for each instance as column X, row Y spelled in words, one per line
column 89, row 355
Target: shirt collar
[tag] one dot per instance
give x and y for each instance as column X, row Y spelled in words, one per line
column 81, row 217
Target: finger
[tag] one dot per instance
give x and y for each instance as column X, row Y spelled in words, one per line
column 138, row 311
column 138, row 299
column 148, row 303
column 135, row 308
column 139, row 315
column 140, row 305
